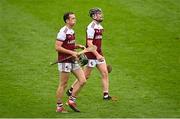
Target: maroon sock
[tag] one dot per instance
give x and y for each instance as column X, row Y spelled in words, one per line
column 106, row 94
column 59, row 104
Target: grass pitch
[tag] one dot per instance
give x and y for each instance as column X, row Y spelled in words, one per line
column 141, row 42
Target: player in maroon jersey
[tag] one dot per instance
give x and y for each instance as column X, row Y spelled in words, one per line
column 96, row 59
column 65, row 46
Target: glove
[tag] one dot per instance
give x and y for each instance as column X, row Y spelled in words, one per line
column 83, row 60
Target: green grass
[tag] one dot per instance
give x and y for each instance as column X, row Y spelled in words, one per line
column 141, row 42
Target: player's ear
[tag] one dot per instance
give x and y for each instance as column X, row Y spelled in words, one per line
column 67, row 20
column 94, row 16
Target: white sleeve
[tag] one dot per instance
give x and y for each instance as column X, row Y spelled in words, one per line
column 61, row 36
column 90, row 33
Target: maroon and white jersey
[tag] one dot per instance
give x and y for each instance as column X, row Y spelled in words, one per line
column 67, row 36
column 94, row 32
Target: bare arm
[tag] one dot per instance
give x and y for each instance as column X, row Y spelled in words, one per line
column 98, row 56
column 59, row 48
column 80, row 46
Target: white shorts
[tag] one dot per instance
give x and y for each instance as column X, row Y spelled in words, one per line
column 68, row 67
column 94, row 62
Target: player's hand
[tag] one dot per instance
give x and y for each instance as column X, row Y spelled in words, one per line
column 81, row 46
column 100, row 58
column 74, row 54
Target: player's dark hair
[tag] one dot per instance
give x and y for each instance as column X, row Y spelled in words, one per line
column 66, row 16
column 93, row 11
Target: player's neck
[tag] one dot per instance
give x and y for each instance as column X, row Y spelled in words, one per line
column 96, row 22
column 69, row 26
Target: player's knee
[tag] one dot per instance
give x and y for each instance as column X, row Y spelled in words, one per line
column 64, row 87
column 87, row 76
column 82, row 82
